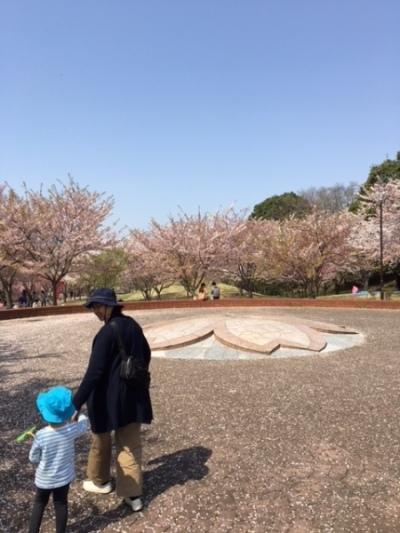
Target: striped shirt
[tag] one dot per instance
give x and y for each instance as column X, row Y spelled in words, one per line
column 53, row 449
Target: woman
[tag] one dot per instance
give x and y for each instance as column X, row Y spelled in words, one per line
column 113, row 403
column 203, row 295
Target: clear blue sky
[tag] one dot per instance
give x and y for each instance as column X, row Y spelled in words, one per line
column 166, row 103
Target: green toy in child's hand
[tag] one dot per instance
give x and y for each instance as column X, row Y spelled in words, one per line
column 27, row 434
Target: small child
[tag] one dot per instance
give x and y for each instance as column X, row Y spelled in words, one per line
column 53, row 450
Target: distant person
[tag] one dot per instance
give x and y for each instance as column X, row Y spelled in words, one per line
column 215, row 292
column 43, row 298
column 35, row 299
column 354, row 289
column 53, row 451
column 23, row 300
column 202, row 294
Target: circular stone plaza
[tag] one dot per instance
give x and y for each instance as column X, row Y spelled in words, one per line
column 267, row 419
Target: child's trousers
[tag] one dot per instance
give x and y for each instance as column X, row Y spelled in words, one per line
column 128, row 456
column 60, row 500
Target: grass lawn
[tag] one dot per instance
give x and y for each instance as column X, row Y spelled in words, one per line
column 177, row 292
column 374, row 293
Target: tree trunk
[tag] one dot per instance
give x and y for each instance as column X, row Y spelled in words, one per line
column 158, row 292
column 8, row 292
column 397, row 278
column 365, row 280
column 7, row 286
column 54, row 288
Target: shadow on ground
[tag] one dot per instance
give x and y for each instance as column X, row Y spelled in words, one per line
column 18, row 411
column 173, row 469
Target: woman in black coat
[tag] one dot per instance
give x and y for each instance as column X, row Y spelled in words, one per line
column 113, row 403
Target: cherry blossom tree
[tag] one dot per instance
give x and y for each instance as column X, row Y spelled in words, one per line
column 147, row 270
column 247, row 255
column 11, row 244
column 387, row 196
column 13, row 271
column 310, row 251
column 8, row 277
column 189, row 248
column 54, row 231
column 378, row 233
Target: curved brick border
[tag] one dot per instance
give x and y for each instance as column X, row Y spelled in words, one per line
column 7, row 314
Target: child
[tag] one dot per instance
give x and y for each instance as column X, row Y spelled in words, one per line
column 53, row 450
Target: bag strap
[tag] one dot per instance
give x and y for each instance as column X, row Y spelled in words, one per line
column 121, row 347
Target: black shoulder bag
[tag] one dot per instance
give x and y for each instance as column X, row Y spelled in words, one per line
column 131, row 371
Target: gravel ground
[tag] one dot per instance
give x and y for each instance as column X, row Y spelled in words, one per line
column 288, row 445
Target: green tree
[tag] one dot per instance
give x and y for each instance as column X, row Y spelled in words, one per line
column 104, row 269
column 386, row 171
column 282, row 206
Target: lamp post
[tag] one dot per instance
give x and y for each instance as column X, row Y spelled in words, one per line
column 381, row 198
column 381, row 247
column 377, row 197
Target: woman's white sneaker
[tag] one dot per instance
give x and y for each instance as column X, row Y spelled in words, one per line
column 89, row 486
column 136, row 504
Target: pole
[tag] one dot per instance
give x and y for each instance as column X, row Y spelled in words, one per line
column 381, row 246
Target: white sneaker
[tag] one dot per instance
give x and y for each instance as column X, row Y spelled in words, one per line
column 136, row 504
column 89, row 486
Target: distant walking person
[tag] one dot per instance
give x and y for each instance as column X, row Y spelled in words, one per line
column 215, row 292
column 53, row 451
column 116, row 402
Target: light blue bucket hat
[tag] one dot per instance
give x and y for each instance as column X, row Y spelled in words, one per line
column 55, row 405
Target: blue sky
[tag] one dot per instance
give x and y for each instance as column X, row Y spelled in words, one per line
column 208, row 103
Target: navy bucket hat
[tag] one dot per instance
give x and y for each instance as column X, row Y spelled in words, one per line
column 102, row 297
column 55, row 405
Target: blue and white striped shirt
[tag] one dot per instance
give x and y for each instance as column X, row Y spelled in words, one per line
column 54, row 451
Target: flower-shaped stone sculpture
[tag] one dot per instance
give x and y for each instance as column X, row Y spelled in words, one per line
column 254, row 333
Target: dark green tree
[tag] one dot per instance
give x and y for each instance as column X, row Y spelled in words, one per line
column 387, row 170
column 282, row 206
column 103, row 270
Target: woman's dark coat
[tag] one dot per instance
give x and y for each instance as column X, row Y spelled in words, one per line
column 111, row 402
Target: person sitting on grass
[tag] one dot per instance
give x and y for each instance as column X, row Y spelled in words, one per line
column 215, row 292
column 203, row 294
column 53, row 451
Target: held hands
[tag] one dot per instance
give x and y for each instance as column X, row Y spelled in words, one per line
column 30, row 432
